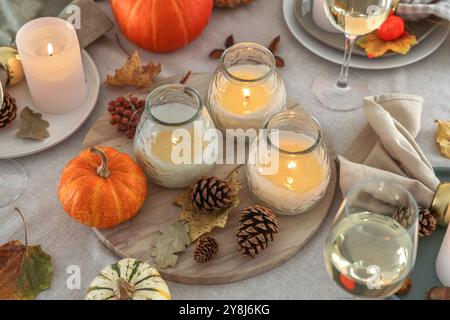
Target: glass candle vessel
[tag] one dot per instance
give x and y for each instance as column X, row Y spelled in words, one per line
column 246, row 89
column 175, row 142
column 288, row 168
column 371, row 248
column 51, row 58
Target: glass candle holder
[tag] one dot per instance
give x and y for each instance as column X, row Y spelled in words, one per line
column 173, row 141
column 246, row 89
column 288, row 168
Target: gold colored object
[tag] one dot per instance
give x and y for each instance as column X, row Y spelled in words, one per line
column 441, row 203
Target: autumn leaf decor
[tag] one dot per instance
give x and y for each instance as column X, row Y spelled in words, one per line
column 443, row 137
column 201, row 222
column 25, row 271
column 133, row 73
column 391, row 36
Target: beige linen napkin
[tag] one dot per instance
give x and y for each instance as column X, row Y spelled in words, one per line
column 396, row 157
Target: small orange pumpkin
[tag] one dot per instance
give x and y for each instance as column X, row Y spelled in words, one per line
column 102, row 187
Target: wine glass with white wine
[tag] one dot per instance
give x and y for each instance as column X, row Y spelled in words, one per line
column 354, row 18
column 371, row 248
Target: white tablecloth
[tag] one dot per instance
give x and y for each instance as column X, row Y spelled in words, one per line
column 304, row 276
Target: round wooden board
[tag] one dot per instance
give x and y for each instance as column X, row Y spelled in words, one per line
column 133, row 238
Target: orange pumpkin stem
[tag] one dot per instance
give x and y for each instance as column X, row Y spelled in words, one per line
column 103, row 170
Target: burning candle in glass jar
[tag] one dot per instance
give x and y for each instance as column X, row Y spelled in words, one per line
column 51, row 58
column 246, row 89
column 294, row 173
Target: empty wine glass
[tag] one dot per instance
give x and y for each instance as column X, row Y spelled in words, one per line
column 13, row 176
column 353, row 18
column 371, row 248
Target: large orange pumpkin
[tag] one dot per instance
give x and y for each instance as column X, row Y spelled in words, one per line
column 102, row 187
column 162, row 25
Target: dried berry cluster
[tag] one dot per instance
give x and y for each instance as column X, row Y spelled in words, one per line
column 126, row 114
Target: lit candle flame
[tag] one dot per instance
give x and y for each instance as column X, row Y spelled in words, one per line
column 292, row 165
column 246, row 92
column 50, row 49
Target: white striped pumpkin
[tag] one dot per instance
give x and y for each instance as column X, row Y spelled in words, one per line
column 128, row 279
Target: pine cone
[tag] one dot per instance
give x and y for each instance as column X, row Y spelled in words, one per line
column 230, row 3
column 427, row 222
column 8, row 110
column 210, row 194
column 258, row 224
column 404, row 217
column 206, row 249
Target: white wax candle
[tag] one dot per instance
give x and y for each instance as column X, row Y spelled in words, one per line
column 443, row 260
column 299, row 182
column 155, row 152
column 51, row 58
column 247, row 105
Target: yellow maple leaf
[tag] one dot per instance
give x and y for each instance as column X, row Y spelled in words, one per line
column 443, row 137
column 133, row 73
column 201, row 223
column 376, row 47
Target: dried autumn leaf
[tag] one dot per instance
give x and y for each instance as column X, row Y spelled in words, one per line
column 375, row 47
column 229, row 42
column 173, row 239
column 133, row 73
column 32, row 126
column 279, row 61
column 25, row 271
column 201, row 223
column 274, row 45
column 443, row 137
column 216, row 54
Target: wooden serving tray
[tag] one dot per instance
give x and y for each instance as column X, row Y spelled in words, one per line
column 133, row 238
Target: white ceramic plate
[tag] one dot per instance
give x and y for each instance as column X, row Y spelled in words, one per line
column 419, row 52
column 61, row 127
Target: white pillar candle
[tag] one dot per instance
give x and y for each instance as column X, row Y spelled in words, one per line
column 51, row 57
column 443, row 260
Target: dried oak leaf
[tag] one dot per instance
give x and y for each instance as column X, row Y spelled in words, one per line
column 172, row 239
column 375, row 47
column 275, row 44
column 229, row 42
column 443, row 137
column 439, row 293
column 133, row 73
column 201, row 223
column 32, row 126
column 25, row 271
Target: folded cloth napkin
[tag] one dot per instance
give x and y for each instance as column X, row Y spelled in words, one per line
column 15, row 13
column 413, row 10
column 396, row 157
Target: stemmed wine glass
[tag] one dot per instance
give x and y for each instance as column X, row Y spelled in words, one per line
column 13, row 176
column 353, row 18
column 371, row 248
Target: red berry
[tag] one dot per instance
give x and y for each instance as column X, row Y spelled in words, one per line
column 392, row 29
column 113, row 121
column 141, row 104
column 111, row 108
column 120, row 99
column 127, row 113
column 120, row 110
column 122, row 127
column 124, row 121
column 134, row 100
